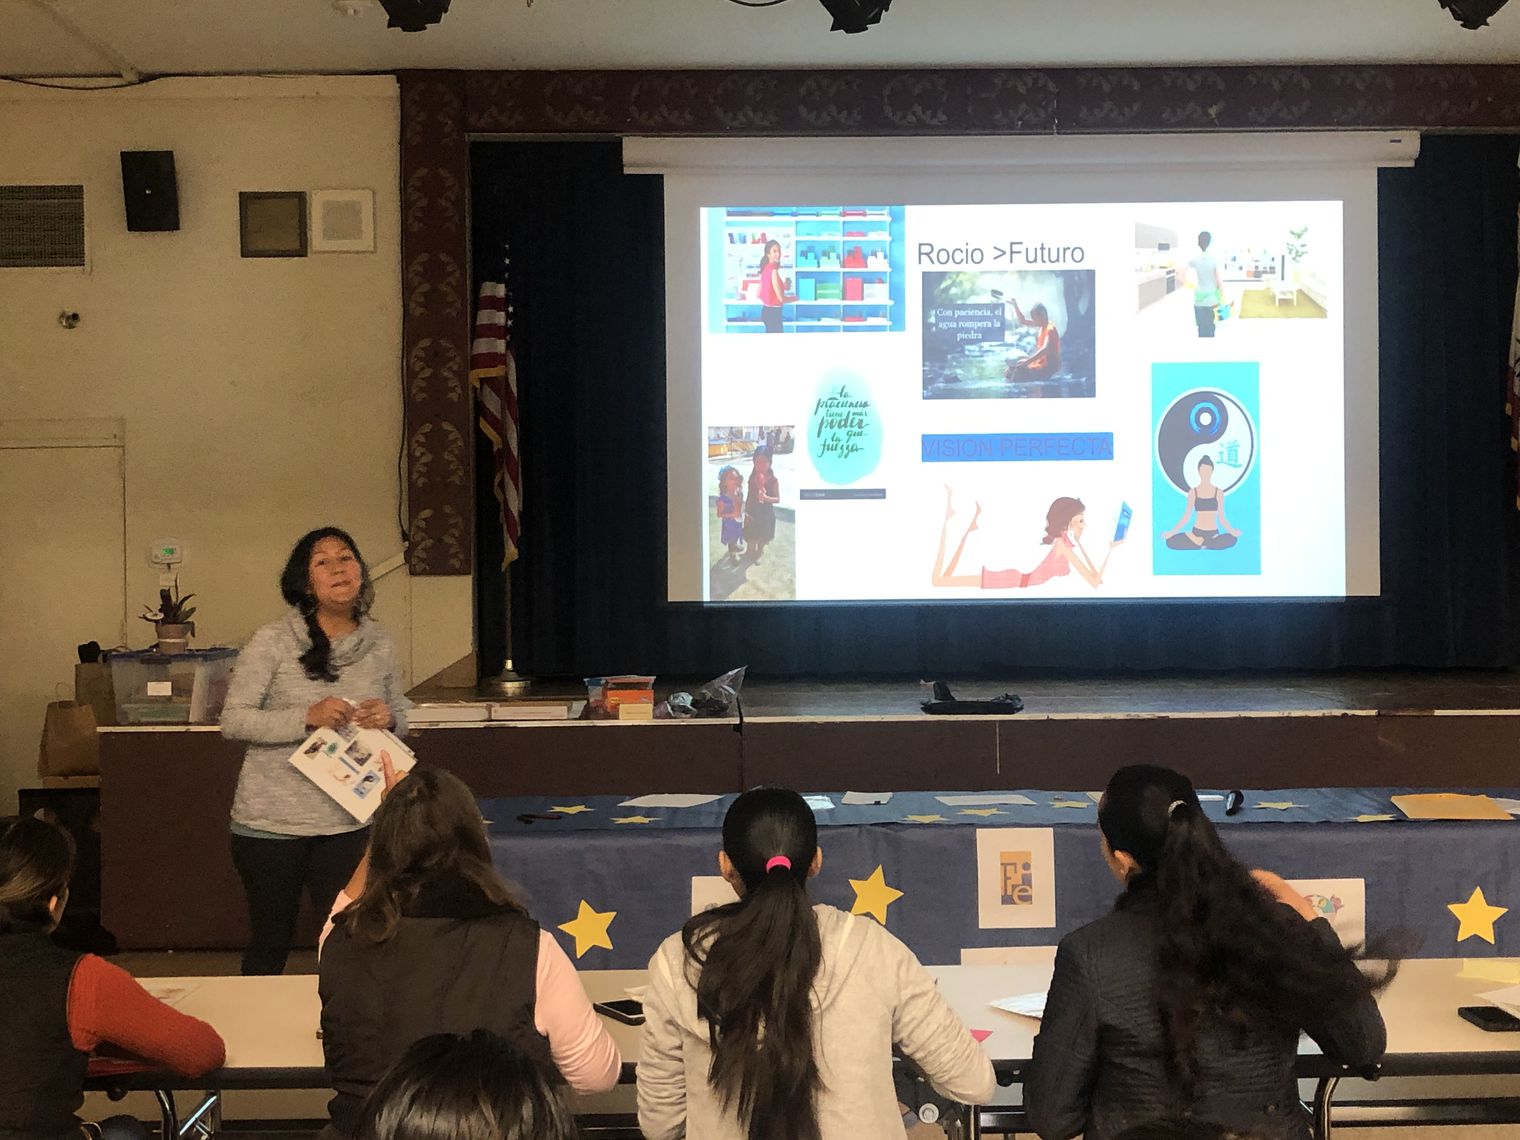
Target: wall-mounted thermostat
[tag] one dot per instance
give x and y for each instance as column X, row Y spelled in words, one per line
column 166, row 552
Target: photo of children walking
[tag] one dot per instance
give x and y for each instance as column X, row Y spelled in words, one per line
column 751, row 536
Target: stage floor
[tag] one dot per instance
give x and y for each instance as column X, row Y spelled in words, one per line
column 1408, row 692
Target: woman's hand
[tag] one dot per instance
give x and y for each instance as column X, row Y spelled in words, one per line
column 329, row 712
column 1116, row 542
column 1280, row 889
column 373, row 713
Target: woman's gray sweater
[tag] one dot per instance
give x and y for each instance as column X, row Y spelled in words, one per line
column 266, row 706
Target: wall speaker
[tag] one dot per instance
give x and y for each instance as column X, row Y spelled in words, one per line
column 148, row 187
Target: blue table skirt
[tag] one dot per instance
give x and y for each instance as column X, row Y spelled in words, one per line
column 644, row 871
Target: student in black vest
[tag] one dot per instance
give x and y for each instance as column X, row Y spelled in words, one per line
column 448, row 1087
column 428, row 939
column 1187, row 1001
column 57, row 1006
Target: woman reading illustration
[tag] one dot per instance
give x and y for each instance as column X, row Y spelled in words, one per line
column 1064, row 524
column 1211, row 530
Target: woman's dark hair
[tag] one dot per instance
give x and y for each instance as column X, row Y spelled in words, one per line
column 1204, row 238
column 1228, row 950
column 448, row 1087
column 36, row 862
column 1038, row 312
column 1206, row 461
column 295, row 588
column 428, row 830
column 1059, row 517
column 757, row 959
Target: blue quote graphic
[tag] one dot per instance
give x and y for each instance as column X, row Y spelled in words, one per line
column 1206, row 435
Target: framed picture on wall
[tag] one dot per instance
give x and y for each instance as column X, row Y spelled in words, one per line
column 343, row 221
column 272, row 223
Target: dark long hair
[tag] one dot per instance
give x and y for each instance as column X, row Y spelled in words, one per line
column 448, row 1087
column 295, row 588
column 1228, row 951
column 36, row 863
column 757, row 959
column 428, row 831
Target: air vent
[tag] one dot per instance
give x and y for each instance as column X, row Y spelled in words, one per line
column 41, row 227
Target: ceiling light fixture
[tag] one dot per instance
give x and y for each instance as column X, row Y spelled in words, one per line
column 1472, row 14
column 849, row 15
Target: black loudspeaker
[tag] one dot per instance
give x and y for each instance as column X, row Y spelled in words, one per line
column 147, row 186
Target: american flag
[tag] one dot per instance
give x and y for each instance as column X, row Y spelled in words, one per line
column 493, row 374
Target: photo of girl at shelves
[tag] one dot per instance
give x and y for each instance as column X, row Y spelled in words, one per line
column 1065, row 523
column 751, row 553
column 1010, row 335
column 804, row 269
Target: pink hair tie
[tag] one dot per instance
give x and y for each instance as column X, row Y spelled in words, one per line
column 777, row 861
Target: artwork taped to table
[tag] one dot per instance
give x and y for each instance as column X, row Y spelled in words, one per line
column 1341, row 902
column 708, row 891
column 1015, row 878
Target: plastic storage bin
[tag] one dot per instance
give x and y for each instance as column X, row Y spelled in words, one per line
column 171, row 688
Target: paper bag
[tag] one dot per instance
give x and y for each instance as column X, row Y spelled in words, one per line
column 69, row 744
column 92, row 686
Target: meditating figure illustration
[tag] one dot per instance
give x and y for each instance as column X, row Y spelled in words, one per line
column 1205, row 505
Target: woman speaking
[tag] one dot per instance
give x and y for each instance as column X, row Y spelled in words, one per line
column 325, row 664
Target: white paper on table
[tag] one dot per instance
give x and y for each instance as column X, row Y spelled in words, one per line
column 637, row 993
column 986, row 801
column 1507, row 999
column 170, row 993
column 819, row 803
column 859, row 799
column 671, row 800
column 1025, row 1005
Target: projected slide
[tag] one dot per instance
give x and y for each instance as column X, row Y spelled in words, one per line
column 1031, row 402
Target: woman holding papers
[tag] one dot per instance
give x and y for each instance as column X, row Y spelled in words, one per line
column 57, row 1006
column 324, row 664
column 1187, row 1001
column 427, row 939
column 775, row 1017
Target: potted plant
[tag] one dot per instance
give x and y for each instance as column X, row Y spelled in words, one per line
column 172, row 619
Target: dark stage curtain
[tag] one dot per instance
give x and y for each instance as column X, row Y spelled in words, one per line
column 588, row 593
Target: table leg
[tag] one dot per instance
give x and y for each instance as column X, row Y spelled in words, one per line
column 167, row 1113
column 1324, row 1093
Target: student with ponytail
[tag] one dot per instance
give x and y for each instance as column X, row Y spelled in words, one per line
column 1187, row 1001
column 324, row 664
column 773, row 1018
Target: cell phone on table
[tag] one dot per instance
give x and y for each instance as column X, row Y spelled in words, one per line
column 1490, row 1017
column 626, row 1010
column 1125, row 514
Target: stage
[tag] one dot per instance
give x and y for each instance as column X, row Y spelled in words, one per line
column 168, row 881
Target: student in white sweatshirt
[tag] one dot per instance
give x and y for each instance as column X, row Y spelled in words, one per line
column 774, row 1019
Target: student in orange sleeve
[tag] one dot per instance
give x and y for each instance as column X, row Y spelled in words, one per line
column 57, row 1006
column 1045, row 360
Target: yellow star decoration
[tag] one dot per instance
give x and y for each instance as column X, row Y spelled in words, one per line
column 1476, row 917
column 1071, row 803
column 1374, row 818
column 983, row 811
column 573, row 809
column 634, row 819
column 1277, row 805
column 873, row 896
column 924, row 818
column 589, row 928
